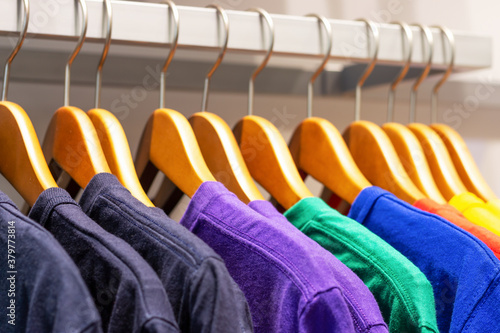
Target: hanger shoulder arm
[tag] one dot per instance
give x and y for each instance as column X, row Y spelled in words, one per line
column 115, row 146
column 319, row 150
column 269, row 161
column 442, row 168
column 412, row 157
column 71, row 141
column 22, row 162
column 376, row 157
column 464, row 162
column 222, row 155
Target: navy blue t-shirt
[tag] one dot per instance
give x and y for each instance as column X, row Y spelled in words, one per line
column 464, row 273
column 127, row 292
column 42, row 289
column 203, row 295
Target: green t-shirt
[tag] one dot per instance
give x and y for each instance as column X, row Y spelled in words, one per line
column 403, row 293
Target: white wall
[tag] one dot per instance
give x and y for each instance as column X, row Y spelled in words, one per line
column 479, row 124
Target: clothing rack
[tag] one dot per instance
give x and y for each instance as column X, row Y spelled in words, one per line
column 140, row 37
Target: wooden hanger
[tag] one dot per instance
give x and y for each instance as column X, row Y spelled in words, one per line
column 168, row 144
column 456, row 147
column 117, row 152
column 22, row 162
column 112, row 137
column 464, row 162
column 319, row 150
column 266, row 154
column 442, row 168
column 270, row 163
column 71, row 142
column 372, row 150
column 405, row 143
column 217, row 143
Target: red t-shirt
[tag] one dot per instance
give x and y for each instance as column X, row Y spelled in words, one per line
column 454, row 216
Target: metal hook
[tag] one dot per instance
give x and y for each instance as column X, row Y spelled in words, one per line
column 81, row 40
column 270, row 24
column 172, row 9
column 328, row 28
column 427, row 36
column 22, row 37
column 376, row 39
column 407, row 52
column 445, row 32
column 108, row 29
column 222, row 13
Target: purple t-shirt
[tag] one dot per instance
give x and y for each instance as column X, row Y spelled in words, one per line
column 371, row 319
column 291, row 284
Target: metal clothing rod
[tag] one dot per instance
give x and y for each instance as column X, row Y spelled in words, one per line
column 138, row 23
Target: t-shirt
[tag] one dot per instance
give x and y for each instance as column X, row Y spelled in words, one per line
column 402, row 291
column 203, row 295
column 42, row 289
column 291, row 283
column 494, row 206
column 463, row 271
column 451, row 214
column 476, row 211
column 127, row 292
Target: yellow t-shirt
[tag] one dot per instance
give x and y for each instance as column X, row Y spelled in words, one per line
column 494, row 205
column 477, row 211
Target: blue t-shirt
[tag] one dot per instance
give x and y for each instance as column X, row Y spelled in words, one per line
column 127, row 292
column 203, row 295
column 41, row 289
column 464, row 273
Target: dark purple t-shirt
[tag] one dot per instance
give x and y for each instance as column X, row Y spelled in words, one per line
column 291, row 284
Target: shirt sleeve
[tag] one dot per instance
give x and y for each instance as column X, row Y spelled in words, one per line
column 217, row 303
column 320, row 315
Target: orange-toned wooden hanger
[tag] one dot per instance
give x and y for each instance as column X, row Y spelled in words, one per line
column 464, row 162
column 112, row 138
column 460, row 155
column 71, row 143
column 405, row 143
column 266, row 154
column 169, row 145
column 442, row 168
column 22, row 162
column 371, row 148
column 217, row 143
column 319, row 150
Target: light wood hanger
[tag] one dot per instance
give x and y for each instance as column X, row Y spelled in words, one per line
column 405, row 143
column 442, row 168
column 460, row 155
column 217, row 143
column 464, row 162
column 112, row 138
column 319, row 150
column 266, row 154
column 22, row 162
column 371, row 148
column 168, row 144
column 71, row 143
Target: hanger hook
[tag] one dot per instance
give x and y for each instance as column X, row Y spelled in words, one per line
column 81, row 40
column 172, row 9
column 445, row 32
column 108, row 29
column 407, row 53
column 376, row 40
column 270, row 25
column 221, row 13
column 328, row 28
column 427, row 36
column 20, row 41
